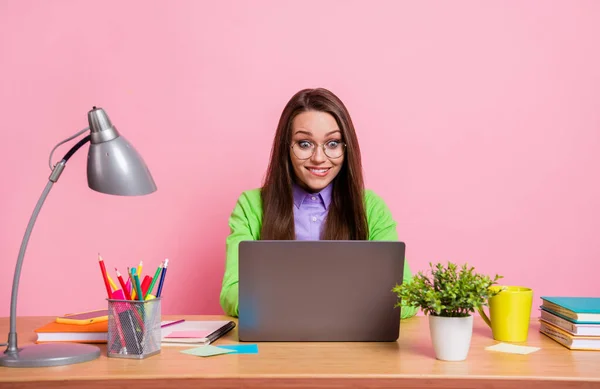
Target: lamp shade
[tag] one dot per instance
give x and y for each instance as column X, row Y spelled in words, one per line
column 114, row 166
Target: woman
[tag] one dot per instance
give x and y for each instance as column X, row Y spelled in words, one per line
column 313, row 188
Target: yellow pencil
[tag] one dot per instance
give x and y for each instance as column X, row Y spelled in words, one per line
column 139, row 269
column 112, row 283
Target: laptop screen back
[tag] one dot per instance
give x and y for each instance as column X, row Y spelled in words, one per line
column 319, row 290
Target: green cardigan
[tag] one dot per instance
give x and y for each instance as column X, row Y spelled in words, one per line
column 245, row 223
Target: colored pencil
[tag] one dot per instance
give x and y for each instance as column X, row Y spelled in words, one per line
column 139, row 269
column 131, row 282
column 162, row 278
column 112, row 283
column 138, row 288
column 104, row 275
column 154, row 279
column 123, row 285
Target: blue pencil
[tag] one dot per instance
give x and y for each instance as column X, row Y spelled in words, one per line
column 162, row 278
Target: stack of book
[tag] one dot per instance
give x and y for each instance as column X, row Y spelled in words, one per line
column 61, row 332
column 574, row 322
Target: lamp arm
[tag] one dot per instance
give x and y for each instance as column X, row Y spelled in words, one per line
column 56, row 172
column 64, row 141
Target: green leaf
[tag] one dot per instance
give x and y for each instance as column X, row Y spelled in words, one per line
column 447, row 290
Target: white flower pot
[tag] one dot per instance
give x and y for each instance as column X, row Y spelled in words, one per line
column 451, row 336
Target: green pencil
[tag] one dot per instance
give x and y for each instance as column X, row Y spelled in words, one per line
column 138, row 288
column 149, row 291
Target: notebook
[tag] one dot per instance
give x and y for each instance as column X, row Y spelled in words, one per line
column 59, row 332
column 568, row 340
column 568, row 325
column 189, row 333
column 577, row 309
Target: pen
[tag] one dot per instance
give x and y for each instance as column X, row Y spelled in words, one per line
column 222, row 331
column 154, row 279
column 172, row 323
column 104, row 275
column 162, row 278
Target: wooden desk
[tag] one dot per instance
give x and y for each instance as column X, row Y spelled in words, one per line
column 408, row 363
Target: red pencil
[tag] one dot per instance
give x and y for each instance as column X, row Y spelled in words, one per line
column 104, row 275
column 123, row 285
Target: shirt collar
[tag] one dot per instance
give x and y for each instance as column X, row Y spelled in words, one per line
column 300, row 195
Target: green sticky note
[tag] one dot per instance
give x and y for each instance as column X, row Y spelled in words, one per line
column 206, row 351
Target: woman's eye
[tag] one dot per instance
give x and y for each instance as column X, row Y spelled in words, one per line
column 304, row 144
column 333, row 144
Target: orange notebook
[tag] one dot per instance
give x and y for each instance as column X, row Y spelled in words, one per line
column 58, row 332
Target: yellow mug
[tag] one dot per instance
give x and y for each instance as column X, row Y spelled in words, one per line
column 510, row 312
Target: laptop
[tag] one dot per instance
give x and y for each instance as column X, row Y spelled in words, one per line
column 319, row 291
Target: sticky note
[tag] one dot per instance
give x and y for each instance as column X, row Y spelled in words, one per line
column 187, row 334
column 512, row 348
column 206, row 351
column 241, row 348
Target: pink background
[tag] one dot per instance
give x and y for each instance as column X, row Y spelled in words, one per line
column 479, row 123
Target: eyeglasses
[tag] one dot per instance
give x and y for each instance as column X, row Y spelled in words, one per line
column 305, row 149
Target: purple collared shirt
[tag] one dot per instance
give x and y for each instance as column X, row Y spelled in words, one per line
column 310, row 211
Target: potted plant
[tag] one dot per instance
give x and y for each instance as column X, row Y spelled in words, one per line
column 448, row 296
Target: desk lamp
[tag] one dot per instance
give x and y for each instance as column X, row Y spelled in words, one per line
column 113, row 167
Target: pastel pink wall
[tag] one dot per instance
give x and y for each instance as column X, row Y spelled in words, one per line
column 479, row 123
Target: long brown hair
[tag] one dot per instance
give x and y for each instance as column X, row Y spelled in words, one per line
column 346, row 218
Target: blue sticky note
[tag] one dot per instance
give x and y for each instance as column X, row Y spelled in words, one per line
column 241, row 348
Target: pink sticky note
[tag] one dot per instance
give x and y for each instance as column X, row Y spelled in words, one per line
column 187, row 334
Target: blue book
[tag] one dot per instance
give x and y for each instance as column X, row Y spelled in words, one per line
column 577, row 309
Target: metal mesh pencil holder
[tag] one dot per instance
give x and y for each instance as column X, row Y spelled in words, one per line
column 133, row 328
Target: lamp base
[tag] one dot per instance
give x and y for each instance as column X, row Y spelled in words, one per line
column 50, row 354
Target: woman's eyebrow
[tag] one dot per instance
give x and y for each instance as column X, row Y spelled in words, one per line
column 303, row 132
column 310, row 133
